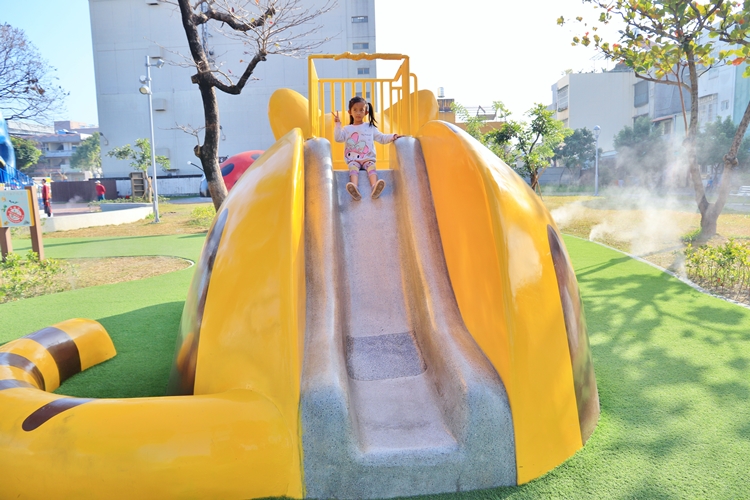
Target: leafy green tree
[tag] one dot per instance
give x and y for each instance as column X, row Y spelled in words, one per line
column 476, row 127
column 27, row 154
column 641, row 149
column 715, row 140
column 88, row 155
column 140, row 158
column 663, row 42
column 531, row 146
column 526, row 147
column 578, row 150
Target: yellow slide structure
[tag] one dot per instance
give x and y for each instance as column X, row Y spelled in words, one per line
column 429, row 341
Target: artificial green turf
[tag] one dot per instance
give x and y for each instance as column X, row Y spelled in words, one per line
column 672, row 367
column 142, row 317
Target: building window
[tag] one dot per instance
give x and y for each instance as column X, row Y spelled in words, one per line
column 640, row 97
column 707, row 107
column 360, row 45
column 664, row 127
column 359, row 19
column 724, row 105
column 562, row 98
column 363, row 71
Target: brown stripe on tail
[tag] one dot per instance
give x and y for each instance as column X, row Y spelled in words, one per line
column 50, row 410
column 18, row 361
column 62, row 348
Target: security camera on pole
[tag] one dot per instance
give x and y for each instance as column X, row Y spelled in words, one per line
column 146, row 90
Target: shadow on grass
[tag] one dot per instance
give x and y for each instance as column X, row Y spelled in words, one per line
column 145, row 342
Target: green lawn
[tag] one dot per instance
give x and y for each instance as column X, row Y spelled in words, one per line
column 672, row 366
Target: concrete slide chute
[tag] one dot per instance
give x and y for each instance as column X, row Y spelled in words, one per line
column 395, row 393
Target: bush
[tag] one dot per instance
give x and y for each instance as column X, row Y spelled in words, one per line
column 724, row 268
column 20, row 279
column 202, row 216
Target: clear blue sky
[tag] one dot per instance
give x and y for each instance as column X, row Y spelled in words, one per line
column 478, row 50
column 61, row 30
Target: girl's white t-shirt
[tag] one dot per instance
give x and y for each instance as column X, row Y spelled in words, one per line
column 359, row 141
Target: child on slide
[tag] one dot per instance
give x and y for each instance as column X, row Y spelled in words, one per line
column 359, row 148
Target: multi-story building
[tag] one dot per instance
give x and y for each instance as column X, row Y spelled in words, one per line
column 57, row 143
column 604, row 99
column 57, row 149
column 125, row 32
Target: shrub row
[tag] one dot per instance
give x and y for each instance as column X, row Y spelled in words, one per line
column 725, row 267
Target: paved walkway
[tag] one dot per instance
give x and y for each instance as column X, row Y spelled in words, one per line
column 62, row 209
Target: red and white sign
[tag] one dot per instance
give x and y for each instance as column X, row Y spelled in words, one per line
column 14, row 208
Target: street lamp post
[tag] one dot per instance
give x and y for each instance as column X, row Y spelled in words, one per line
column 597, row 130
column 146, row 90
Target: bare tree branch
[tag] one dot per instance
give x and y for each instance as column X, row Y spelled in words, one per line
column 28, row 87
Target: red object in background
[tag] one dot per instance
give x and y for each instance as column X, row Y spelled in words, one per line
column 234, row 166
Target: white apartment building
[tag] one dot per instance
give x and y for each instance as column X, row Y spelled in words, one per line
column 124, row 32
column 591, row 99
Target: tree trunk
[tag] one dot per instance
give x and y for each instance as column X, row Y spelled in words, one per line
column 534, row 178
column 709, row 222
column 149, row 188
column 708, row 217
column 209, row 151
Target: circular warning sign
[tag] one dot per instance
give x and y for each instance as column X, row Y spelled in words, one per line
column 15, row 214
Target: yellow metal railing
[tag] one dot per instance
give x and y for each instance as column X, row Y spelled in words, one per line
column 391, row 98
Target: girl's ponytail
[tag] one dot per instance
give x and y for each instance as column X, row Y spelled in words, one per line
column 373, row 122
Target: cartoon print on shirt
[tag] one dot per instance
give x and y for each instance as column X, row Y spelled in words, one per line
column 355, row 150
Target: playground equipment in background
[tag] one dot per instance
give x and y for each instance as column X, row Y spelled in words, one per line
column 10, row 178
column 232, row 169
column 431, row 340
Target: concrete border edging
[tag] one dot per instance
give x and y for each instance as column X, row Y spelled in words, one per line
column 113, row 207
column 107, row 218
column 675, row 275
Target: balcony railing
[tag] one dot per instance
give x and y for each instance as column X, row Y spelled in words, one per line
column 59, row 154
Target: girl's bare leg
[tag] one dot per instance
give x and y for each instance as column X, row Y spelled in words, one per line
column 352, row 186
column 376, row 184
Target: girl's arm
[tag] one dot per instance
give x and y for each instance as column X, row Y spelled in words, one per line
column 384, row 138
column 338, row 131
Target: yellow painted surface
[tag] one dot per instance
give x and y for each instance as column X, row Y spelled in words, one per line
column 287, row 110
column 252, row 335
column 494, row 234
column 94, row 344
column 39, row 356
column 14, row 373
column 222, row 446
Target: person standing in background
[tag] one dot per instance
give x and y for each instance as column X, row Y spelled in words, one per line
column 100, row 191
column 46, row 198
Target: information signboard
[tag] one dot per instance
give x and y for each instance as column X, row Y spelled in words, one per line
column 15, row 210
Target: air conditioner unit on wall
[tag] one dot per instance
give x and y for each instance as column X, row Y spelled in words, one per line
column 160, row 104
